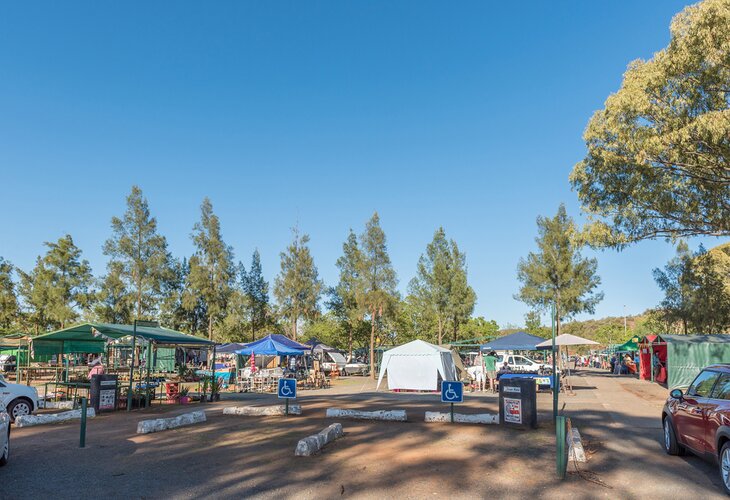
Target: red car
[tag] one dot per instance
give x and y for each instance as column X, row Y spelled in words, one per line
column 699, row 421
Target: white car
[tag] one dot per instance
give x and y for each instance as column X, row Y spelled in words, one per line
column 332, row 360
column 519, row 363
column 4, row 436
column 18, row 399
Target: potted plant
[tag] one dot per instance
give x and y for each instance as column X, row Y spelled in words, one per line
column 215, row 389
column 204, row 390
column 184, row 398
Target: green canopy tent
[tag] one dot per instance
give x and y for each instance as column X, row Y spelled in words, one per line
column 687, row 355
column 97, row 337
column 630, row 345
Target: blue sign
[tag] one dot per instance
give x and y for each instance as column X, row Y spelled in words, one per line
column 287, row 388
column 452, row 392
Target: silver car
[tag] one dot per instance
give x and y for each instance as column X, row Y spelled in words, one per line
column 4, row 436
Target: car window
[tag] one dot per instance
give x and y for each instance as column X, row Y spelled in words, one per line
column 722, row 387
column 521, row 361
column 703, row 384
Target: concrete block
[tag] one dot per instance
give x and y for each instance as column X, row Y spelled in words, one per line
column 312, row 444
column 389, row 415
column 575, row 447
column 263, row 411
column 161, row 424
column 479, row 418
column 59, row 405
column 52, row 418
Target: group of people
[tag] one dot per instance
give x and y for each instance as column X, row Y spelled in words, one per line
column 486, row 371
column 624, row 365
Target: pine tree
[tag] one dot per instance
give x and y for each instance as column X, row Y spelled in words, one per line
column 558, row 274
column 256, row 292
column 462, row 297
column 379, row 294
column 141, row 253
column 9, row 307
column 347, row 296
column 297, row 287
column 114, row 303
column 212, row 272
column 57, row 289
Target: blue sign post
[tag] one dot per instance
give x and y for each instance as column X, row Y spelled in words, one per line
column 452, row 392
column 287, row 390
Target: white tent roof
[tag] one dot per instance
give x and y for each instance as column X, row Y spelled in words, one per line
column 417, row 366
column 567, row 339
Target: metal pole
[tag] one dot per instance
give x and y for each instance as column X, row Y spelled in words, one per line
column 452, row 413
column 561, row 461
column 149, row 368
column 131, row 367
column 82, row 436
column 287, row 406
column 556, row 383
column 212, row 386
column 651, row 363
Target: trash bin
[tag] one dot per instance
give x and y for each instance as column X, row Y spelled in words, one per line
column 103, row 392
column 518, row 402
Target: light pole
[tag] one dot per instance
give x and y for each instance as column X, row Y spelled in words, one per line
column 556, row 382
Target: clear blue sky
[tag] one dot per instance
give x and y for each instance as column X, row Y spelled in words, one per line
column 464, row 115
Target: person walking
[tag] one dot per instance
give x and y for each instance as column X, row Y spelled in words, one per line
column 490, row 366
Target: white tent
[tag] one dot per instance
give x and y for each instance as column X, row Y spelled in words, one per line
column 416, row 366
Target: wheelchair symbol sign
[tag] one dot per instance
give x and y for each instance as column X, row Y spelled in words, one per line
column 452, row 392
column 287, row 388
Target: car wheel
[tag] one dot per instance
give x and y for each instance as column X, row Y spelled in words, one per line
column 671, row 446
column 725, row 467
column 19, row 407
column 5, row 452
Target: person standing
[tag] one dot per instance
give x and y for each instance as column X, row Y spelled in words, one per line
column 479, row 372
column 490, row 366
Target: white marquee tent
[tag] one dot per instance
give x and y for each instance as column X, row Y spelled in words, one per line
column 416, row 366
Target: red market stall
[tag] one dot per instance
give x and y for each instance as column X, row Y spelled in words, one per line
column 647, row 347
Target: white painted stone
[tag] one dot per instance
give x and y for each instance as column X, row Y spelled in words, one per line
column 262, row 410
column 161, row 424
column 52, row 418
column 575, row 447
column 312, row 444
column 479, row 418
column 390, row 415
column 59, row 405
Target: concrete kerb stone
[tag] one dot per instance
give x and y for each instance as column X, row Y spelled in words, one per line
column 59, row 405
column 52, row 418
column 387, row 415
column 461, row 418
column 312, row 444
column 162, row 424
column 263, row 411
column 575, row 447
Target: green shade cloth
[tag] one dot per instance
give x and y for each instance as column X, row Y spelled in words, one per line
column 165, row 359
column 80, row 338
column 629, row 345
column 687, row 355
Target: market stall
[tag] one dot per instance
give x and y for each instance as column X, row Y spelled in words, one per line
column 653, row 347
column 417, row 366
column 687, row 355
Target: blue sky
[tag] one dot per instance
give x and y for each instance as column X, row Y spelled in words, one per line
column 465, row 115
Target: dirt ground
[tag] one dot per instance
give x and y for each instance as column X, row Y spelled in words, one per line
column 234, row 456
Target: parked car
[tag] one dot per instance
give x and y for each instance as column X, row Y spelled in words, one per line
column 699, row 420
column 519, row 363
column 18, row 399
column 8, row 362
column 4, row 436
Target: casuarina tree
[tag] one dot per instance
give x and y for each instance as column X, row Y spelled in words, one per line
column 256, row 291
column 557, row 274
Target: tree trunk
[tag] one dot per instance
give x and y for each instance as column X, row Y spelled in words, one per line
column 372, row 344
column 441, row 329
column 210, row 327
column 349, row 347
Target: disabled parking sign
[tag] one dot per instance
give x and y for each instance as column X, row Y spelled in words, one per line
column 287, row 388
column 452, row 392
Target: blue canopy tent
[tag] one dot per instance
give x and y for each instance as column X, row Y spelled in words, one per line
column 229, row 348
column 519, row 341
column 273, row 345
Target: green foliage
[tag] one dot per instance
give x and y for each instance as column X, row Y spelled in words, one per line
column 139, row 257
column 696, row 290
column 298, row 287
column 347, row 298
column 9, row 306
column 57, row 290
column 658, row 161
column 557, row 274
column 478, row 328
column 440, row 288
column 212, row 273
column 533, row 325
column 328, row 329
column 114, row 303
column 256, row 292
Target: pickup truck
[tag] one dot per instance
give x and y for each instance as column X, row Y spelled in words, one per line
column 18, row 399
column 519, row 363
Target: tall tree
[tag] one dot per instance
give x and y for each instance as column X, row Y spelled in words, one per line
column 557, row 273
column 212, row 273
column 141, row 254
column 379, row 294
column 9, row 306
column 462, row 297
column 256, row 291
column 57, row 289
column 658, row 160
column 114, row 302
column 297, row 287
column 348, row 294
